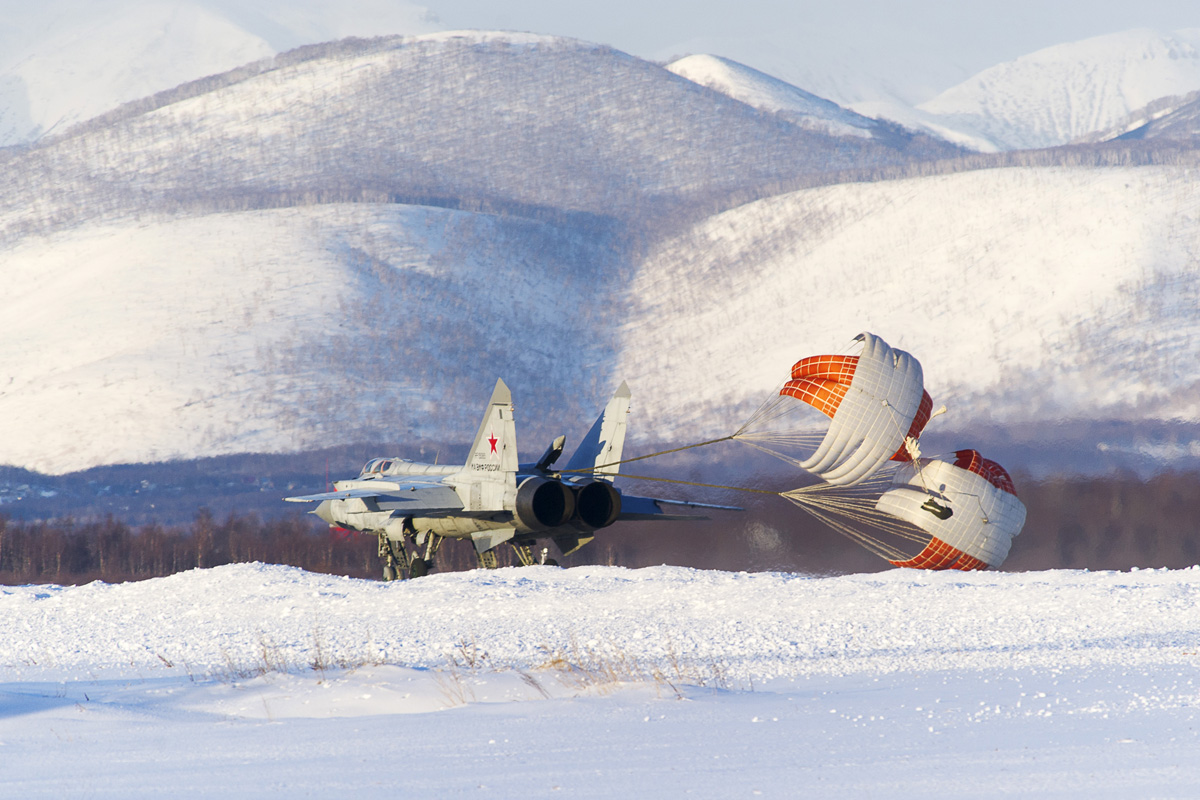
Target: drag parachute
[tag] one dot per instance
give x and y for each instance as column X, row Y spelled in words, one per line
column 969, row 508
column 961, row 513
column 875, row 402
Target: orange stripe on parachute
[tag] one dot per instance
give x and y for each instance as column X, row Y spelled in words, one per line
column 939, row 555
column 826, row 368
column 821, row 381
column 968, row 563
column 987, row 469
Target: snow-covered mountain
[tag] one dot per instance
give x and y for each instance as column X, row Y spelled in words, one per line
column 285, row 329
column 352, row 240
column 768, row 93
column 69, row 61
column 1172, row 119
column 471, row 117
column 1061, row 93
column 1067, row 92
column 66, row 61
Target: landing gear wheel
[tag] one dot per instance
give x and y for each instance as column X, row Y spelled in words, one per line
column 392, row 557
column 550, row 562
column 419, row 567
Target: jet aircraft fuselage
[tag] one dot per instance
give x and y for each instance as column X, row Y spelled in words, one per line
column 492, row 499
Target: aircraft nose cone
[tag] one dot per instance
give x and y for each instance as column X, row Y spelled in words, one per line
column 325, row 511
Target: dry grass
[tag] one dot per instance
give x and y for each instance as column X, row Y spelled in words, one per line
column 605, row 668
column 600, row 668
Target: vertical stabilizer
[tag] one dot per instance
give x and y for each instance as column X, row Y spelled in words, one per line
column 604, row 442
column 491, row 467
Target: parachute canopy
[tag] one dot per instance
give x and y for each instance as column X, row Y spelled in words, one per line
column 969, row 508
column 876, row 406
column 962, row 512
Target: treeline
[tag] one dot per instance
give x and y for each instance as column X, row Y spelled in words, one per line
column 1114, row 522
column 1074, row 523
column 70, row 552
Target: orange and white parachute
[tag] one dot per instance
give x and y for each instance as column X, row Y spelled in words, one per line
column 969, row 507
column 961, row 513
column 876, row 406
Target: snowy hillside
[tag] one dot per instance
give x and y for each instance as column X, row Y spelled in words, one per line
column 1036, row 299
column 1061, row 93
column 1033, row 298
column 601, row 682
column 762, row 91
column 470, row 119
column 62, row 63
column 66, row 62
column 287, row 329
column 1172, row 119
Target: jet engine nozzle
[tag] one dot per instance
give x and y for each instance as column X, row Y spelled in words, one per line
column 543, row 503
column 597, row 505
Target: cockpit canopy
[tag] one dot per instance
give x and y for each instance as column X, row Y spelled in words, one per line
column 380, row 466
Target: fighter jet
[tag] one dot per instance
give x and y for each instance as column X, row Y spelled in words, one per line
column 493, row 499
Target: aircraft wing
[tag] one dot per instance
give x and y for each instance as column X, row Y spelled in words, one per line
column 346, row 495
column 416, row 499
column 633, row 507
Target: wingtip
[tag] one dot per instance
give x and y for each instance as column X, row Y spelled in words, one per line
column 623, row 391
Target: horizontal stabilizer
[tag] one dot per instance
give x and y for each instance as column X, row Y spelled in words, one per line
column 570, row 543
column 690, row 504
column 645, row 508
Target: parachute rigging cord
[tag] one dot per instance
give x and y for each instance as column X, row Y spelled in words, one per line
column 596, row 469
column 852, row 512
column 688, row 483
column 788, row 428
column 774, row 429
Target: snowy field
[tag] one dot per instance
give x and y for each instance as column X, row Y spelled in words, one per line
column 266, row 681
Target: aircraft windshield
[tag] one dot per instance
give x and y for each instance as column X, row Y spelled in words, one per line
column 380, row 466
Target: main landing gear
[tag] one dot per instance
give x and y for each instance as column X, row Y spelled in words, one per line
column 524, row 554
column 402, row 558
column 399, row 563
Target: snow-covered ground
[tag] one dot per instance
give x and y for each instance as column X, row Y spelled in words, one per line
column 603, row 681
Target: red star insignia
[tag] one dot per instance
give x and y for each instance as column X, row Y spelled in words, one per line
column 492, row 441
